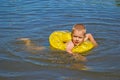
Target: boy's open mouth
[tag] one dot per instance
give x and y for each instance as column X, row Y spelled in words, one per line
column 76, row 42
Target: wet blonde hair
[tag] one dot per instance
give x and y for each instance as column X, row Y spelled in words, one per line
column 79, row 27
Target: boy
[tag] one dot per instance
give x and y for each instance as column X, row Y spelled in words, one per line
column 78, row 36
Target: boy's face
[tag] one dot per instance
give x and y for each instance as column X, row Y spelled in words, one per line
column 77, row 37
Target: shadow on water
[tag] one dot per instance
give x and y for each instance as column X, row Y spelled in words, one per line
column 117, row 3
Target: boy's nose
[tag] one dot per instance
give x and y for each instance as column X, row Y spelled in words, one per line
column 77, row 38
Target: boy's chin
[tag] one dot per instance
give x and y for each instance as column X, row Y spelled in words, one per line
column 77, row 44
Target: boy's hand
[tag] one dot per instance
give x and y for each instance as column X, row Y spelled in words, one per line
column 79, row 57
column 82, row 58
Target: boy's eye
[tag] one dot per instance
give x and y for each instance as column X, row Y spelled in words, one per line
column 80, row 37
column 74, row 36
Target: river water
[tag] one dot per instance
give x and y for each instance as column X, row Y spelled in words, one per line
column 36, row 19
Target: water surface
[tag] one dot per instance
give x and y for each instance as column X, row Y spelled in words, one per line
column 36, row 19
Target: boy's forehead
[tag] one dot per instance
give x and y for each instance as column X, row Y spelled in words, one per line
column 79, row 31
column 76, row 32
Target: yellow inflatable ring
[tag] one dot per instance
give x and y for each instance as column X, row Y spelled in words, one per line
column 58, row 40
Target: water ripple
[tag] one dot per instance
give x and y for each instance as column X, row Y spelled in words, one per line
column 37, row 19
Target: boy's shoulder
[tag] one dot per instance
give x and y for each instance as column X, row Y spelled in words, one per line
column 70, row 43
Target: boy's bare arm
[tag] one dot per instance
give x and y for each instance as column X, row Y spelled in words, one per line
column 91, row 38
